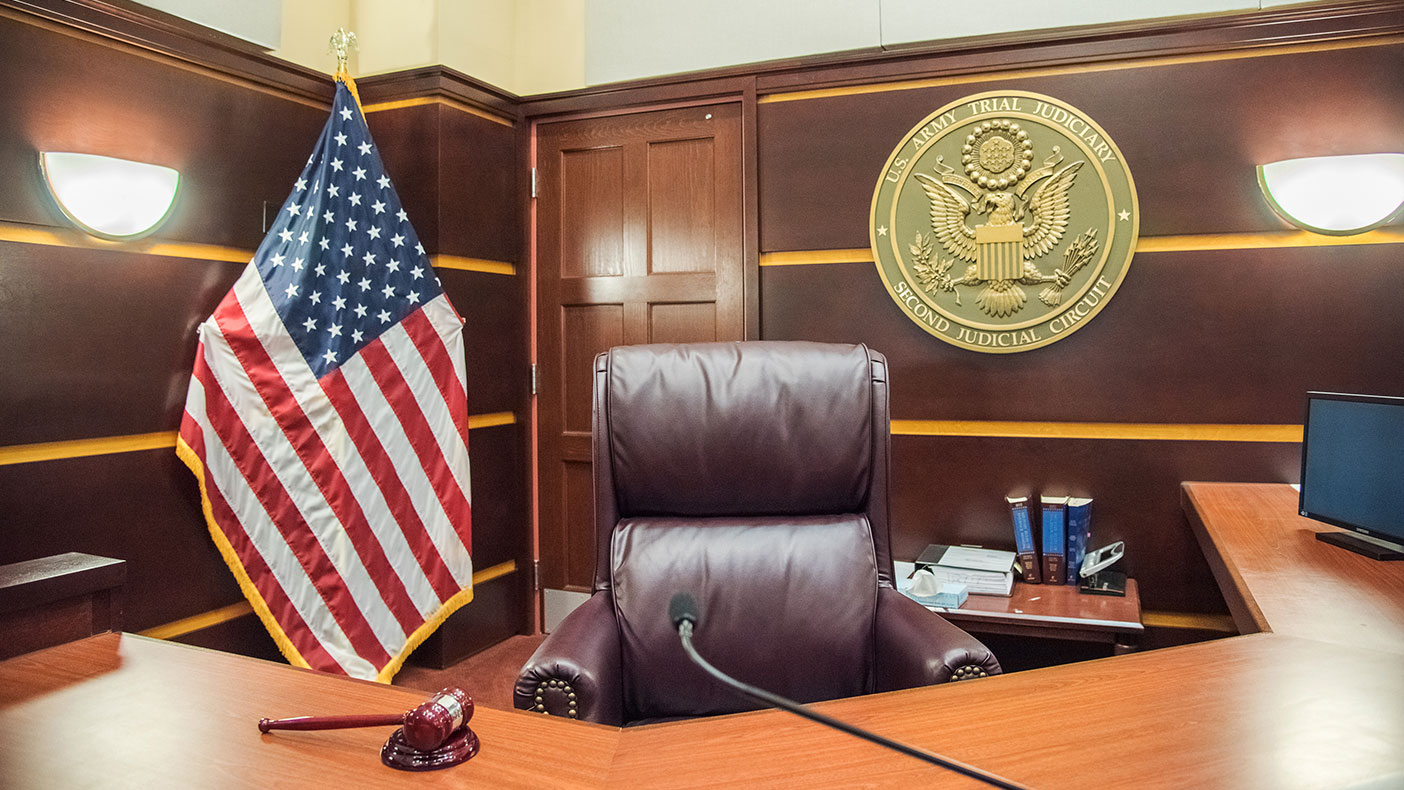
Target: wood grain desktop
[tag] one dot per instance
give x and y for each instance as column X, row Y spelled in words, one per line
column 1309, row 702
column 1276, row 576
column 1058, row 611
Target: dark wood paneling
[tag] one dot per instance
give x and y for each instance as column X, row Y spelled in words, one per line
column 98, row 343
column 499, row 609
column 142, row 507
column 500, row 522
column 478, row 191
column 1195, row 337
column 409, row 141
column 243, row 635
column 952, row 489
column 495, row 322
column 234, row 146
column 1191, row 134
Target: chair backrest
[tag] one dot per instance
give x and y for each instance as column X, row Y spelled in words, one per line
column 754, row 477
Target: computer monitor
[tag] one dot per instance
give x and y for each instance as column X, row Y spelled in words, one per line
column 1353, row 471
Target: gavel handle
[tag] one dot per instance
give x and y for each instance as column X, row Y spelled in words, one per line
column 330, row 722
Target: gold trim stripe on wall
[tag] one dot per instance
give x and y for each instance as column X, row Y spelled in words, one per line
column 400, row 104
column 1129, row 431
column 1263, row 240
column 1132, row 62
column 471, row 264
column 82, row 448
column 57, row 237
column 234, row 611
column 108, row 445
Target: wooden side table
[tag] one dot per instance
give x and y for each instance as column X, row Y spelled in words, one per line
column 1055, row 611
column 58, row 599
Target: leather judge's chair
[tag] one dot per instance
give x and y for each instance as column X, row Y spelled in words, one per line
column 752, row 476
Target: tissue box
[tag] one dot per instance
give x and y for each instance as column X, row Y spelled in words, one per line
column 951, row 595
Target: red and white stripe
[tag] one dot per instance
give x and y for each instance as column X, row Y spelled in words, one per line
column 345, row 499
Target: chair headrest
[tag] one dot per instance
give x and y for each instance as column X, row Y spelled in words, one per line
column 750, row 428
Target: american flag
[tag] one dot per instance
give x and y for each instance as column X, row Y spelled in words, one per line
column 327, row 421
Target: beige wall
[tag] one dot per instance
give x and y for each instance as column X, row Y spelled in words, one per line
column 531, row 47
column 522, row 46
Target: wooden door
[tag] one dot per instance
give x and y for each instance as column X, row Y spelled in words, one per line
column 639, row 240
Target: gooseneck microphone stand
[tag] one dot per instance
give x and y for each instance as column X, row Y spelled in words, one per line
column 683, row 612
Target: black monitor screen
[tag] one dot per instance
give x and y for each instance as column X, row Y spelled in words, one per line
column 1353, row 463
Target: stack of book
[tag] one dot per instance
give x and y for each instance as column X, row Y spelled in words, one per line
column 1066, row 528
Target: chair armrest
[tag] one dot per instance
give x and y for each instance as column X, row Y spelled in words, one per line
column 917, row 647
column 575, row 672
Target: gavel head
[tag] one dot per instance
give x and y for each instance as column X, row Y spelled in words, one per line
column 429, row 725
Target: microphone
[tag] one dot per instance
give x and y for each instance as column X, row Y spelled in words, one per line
column 682, row 611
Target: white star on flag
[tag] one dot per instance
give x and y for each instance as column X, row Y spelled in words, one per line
column 333, row 463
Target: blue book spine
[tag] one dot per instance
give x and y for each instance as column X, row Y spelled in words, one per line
column 1079, row 534
column 1024, row 540
column 1054, row 540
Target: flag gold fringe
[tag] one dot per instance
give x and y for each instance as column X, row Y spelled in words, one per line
column 260, row 607
column 423, row 632
column 343, row 76
column 226, row 550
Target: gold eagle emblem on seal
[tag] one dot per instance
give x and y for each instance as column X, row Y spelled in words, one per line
column 1022, row 191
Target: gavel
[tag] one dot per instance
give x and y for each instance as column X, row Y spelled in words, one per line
column 426, row 727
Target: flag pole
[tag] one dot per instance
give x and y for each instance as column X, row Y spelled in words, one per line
column 341, row 44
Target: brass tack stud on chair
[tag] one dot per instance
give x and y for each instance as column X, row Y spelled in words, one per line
column 967, row 672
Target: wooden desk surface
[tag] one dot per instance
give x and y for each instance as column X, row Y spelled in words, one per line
column 1276, row 576
column 1253, row 711
column 1056, row 606
column 1261, row 711
column 125, row 711
column 1315, row 704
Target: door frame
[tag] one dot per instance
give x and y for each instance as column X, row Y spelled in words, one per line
column 604, row 104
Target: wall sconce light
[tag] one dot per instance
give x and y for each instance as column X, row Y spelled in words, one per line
column 1336, row 195
column 110, row 198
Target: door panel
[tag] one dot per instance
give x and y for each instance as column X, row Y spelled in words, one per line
column 592, row 231
column 639, row 240
column 682, row 208
column 682, row 323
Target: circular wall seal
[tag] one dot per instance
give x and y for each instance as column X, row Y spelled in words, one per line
column 1004, row 221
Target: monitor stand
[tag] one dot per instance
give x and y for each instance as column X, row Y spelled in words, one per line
column 1373, row 548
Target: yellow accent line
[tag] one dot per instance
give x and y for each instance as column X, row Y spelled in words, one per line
column 471, row 264
column 161, row 440
column 804, row 257
column 56, row 237
column 198, row 622
column 495, row 572
column 1131, row 431
column 80, row 448
column 233, row 611
column 491, row 420
column 1082, row 68
column 400, row 104
column 1280, row 239
column 1221, row 623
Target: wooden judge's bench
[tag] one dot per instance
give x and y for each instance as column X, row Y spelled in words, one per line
column 1308, row 697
